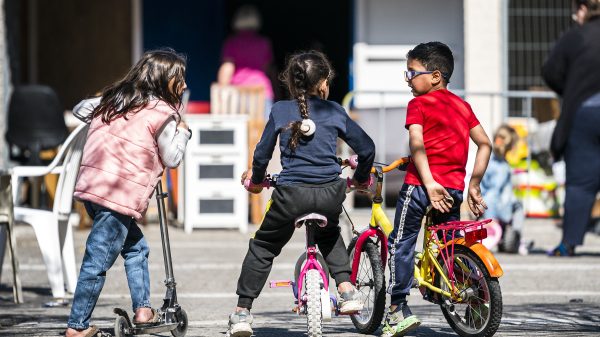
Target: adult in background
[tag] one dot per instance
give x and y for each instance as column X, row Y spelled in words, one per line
column 572, row 70
column 247, row 55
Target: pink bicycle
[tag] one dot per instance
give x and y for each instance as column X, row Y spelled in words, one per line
column 311, row 275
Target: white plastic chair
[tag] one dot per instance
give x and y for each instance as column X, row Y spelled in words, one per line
column 53, row 228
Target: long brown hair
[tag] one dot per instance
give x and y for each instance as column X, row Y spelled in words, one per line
column 303, row 73
column 159, row 74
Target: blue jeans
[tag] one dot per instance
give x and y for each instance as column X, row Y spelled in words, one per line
column 410, row 210
column 112, row 234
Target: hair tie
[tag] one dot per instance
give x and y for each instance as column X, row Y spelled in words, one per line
column 308, row 127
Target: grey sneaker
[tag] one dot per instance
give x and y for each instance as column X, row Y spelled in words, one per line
column 240, row 324
column 399, row 322
column 349, row 302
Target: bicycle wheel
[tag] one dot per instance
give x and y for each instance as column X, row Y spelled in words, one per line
column 370, row 283
column 479, row 311
column 314, row 317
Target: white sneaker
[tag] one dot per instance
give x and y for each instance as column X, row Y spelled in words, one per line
column 240, row 324
column 349, row 302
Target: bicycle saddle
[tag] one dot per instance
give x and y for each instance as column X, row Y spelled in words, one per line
column 321, row 220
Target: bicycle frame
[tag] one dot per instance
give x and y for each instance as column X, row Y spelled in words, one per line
column 311, row 263
column 379, row 227
column 423, row 273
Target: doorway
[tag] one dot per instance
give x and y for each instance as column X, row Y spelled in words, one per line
column 303, row 25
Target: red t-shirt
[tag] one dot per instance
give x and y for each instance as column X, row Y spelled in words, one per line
column 446, row 121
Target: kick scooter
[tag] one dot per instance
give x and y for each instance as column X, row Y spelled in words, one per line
column 172, row 317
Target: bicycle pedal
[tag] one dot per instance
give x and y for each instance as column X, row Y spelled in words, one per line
column 415, row 283
column 350, row 313
column 280, row 283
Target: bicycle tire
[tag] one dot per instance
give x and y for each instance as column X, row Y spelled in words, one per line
column 370, row 318
column 511, row 239
column 314, row 319
column 490, row 305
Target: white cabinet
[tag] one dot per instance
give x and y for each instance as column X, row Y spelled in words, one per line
column 215, row 158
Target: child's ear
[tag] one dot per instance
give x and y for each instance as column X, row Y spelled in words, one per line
column 323, row 89
column 436, row 77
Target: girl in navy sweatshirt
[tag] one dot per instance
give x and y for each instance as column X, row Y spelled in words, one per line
column 308, row 127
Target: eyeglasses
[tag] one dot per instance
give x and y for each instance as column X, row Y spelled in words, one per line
column 410, row 74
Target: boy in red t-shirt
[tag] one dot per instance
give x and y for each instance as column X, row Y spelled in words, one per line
column 439, row 124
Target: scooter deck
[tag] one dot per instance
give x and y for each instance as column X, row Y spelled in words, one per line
column 147, row 329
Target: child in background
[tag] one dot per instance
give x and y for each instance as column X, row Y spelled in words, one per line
column 308, row 128
column 135, row 131
column 497, row 186
column 439, row 124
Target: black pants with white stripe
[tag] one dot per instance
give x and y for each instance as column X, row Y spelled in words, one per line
column 410, row 210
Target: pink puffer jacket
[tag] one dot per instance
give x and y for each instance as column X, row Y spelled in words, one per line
column 121, row 165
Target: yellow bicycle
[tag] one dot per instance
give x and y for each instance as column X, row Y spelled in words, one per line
column 457, row 272
column 453, row 270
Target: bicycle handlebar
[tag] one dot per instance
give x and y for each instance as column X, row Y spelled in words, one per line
column 353, row 163
column 268, row 182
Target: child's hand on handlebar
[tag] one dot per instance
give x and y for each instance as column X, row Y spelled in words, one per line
column 364, row 185
column 354, row 185
column 247, row 183
column 438, row 196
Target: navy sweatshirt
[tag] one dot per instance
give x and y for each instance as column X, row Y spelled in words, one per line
column 314, row 161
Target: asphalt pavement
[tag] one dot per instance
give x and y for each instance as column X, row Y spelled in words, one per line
column 542, row 296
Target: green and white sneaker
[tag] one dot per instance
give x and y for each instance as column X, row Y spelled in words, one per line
column 399, row 322
column 240, row 324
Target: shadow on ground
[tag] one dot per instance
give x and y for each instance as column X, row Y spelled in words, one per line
column 569, row 319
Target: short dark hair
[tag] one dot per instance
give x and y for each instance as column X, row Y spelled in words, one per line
column 434, row 56
column 593, row 7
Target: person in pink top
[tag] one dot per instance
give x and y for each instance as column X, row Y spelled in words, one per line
column 135, row 131
column 247, row 55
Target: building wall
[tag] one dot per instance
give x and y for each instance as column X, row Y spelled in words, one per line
column 4, row 87
column 386, row 29
column 404, row 24
column 484, row 58
column 78, row 47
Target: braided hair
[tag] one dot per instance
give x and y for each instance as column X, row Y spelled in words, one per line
column 302, row 76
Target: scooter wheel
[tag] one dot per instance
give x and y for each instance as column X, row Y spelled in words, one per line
column 121, row 327
column 181, row 329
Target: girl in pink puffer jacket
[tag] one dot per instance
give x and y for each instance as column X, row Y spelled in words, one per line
column 135, row 132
